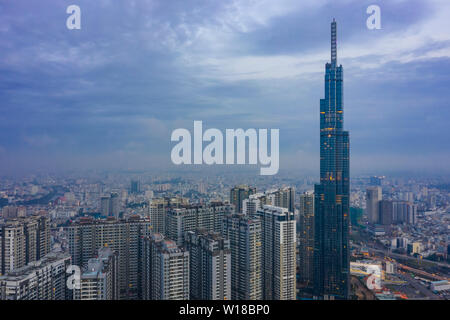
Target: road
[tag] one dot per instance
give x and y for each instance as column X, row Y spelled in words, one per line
column 417, row 286
column 388, row 253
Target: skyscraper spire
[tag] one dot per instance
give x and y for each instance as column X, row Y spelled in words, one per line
column 333, row 42
column 331, row 205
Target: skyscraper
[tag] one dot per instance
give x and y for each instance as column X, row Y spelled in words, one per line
column 44, row 279
column 331, row 252
column 114, row 205
column 135, row 186
column 278, row 253
column 23, row 240
column 306, row 239
column 87, row 235
column 99, row 280
column 283, row 197
column 244, row 233
column 166, row 270
column 373, row 197
column 386, row 209
column 157, row 214
column 209, row 265
column 190, row 217
column 238, row 194
column 110, row 205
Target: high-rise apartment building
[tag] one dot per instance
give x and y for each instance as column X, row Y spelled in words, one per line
column 373, row 197
column 278, row 253
column 283, row 197
column 404, row 212
column 44, row 279
column 99, row 279
column 210, row 265
column 23, row 240
column 386, row 212
column 9, row 212
column 157, row 214
column 190, row 217
column 104, row 205
column 135, row 186
column 87, row 236
column 165, row 271
column 238, row 194
column 251, row 205
column 110, row 205
column 244, row 233
column 331, row 218
column 306, row 239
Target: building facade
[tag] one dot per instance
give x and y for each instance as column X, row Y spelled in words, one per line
column 99, row 279
column 87, row 236
column 306, row 240
column 278, row 253
column 210, row 265
column 244, row 233
column 238, row 194
column 23, row 240
column 331, row 218
column 44, row 279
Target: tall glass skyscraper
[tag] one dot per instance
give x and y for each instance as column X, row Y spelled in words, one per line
column 331, row 252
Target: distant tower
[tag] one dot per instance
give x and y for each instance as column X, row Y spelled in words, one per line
column 238, row 194
column 135, row 187
column 104, row 205
column 114, row 205
column 331, row 252
column 373, row 197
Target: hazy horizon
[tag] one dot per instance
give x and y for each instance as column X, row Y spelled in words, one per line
column 109, row 95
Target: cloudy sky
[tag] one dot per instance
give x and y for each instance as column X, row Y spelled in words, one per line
column 109, row 95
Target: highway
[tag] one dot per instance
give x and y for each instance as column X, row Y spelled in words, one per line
column 388, row 253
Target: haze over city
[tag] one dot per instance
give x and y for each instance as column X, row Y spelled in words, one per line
column 109, row 95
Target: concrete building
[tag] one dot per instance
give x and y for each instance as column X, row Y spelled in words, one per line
column 373, row 196
column 404, row 212
column 110, row 205
column 168, row 271
column 99, row 279
column 386, row 212
column 244, row 233
column 251, row 205
column 23, row 240
column 279, row 253
column 283, row 197
column 190, row 217
column 306, row 239
column 44, row 279
column 238, row 194
column 87, row 236
column 157, row 214
column 210, row 265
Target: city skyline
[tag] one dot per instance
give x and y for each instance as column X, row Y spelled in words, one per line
column 73, row 99
column 97, row 203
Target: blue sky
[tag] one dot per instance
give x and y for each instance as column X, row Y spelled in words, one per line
column 110, row 94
